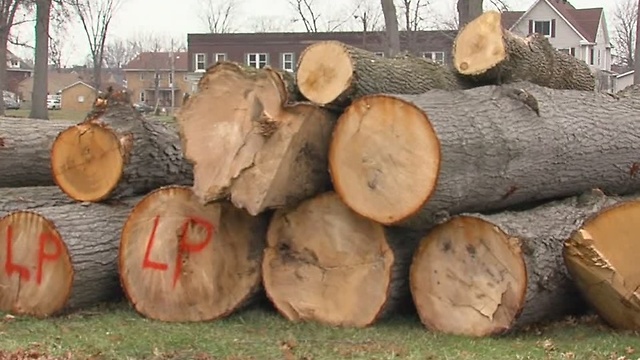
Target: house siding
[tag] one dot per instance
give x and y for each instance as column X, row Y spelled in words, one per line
column 137, row 85
column 602, row 48
column 565, row 36
column 72, row 96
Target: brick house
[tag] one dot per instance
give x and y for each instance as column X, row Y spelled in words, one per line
column 149, row 70
column 282, row 50
column 17, row 71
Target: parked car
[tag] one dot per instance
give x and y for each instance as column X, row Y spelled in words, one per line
column 143, row 107
column 11, row 104
column 54, row 104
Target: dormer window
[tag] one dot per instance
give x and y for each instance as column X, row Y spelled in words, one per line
column 543, row 27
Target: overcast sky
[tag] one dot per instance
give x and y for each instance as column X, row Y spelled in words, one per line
column 177, row 18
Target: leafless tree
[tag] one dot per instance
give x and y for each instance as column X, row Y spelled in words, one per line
column 8, row 10
column 217, row 15
column 41, row 68
column 636, row 64
column 625, row 17
column 307, row 13
column 368, row 15
column 59, row 36
column 117, row 53
column 96, row 17
column 414, row 14
column 391, row 26
column 468, row 10
column 265, row 24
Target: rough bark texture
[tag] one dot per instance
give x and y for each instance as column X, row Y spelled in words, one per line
column 494, row 151
column 89, row 274
column 150, row 151
column 248, row 144
column 183, row 261
column 24, row 198
column 322, row 260
column 333, row 73
column 488, row 54
column 601, row 257
column 463, row 285
column 24, row 151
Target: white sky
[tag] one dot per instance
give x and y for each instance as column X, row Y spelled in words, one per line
column 177, row 18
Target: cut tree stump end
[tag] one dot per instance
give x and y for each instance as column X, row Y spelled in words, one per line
column 601, row 258
column 384, row 158
column 87, row 162
column 468, row 277
column 37, row 275
column 479, row 45
column 326, row 72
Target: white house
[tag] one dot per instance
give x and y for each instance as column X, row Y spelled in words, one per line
column 581, row 32
column 623, row 80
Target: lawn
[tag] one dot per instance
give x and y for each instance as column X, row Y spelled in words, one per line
column 72, row 116
column 116, row 332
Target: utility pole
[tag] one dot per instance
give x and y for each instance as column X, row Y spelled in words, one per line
column 173, row 79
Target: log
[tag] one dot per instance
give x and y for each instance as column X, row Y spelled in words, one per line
column 24, row 151
column 117, row 153
column 331, row 73
column 31, row 197
column 486, row 53
column 407, row 160
column 601, row 259
column 322, row 260
column 248, row 144
column 60, row 258
column 482, row 275
column 183, row 261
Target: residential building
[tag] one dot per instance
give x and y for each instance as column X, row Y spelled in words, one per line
column 156, row 71
column 623, row 80
column 17, row 71
column 581, row 32
column 78, row 96
column 282, row 50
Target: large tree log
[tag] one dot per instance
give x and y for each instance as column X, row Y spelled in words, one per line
column 488, row 54
column 60, row 258
column 248, row 144
column 117, row 153
column 25, row 145
column 601, row 257
column 325, row 263
column 213, row 270
column 482, row 275
column 407, row 159
column 333, row 73
column 31, row 197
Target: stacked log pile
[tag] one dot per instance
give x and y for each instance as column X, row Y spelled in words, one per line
column 493, row 194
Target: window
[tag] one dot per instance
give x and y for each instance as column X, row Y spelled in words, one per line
column 257, row 60
column 599, row 58
column 157, row 75
column 592, row 54
column 381, row 54
column 81, row 99
column 200, row 62
column 542, row 27
column 170, row 78
column 141, row 76
column 287, row 61
column 220, row 57
column 435, row 56
column 571, row 51
column 142, row 96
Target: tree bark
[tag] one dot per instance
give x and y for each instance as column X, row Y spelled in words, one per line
column 40, row 77
column 334, row 74
column 468, row 10
column 117, row 153
column 25, row 151
column 636, row 64
column 60, row 258
column 391, row 26
column 248, row 143
column 601, row 259
column 212, row 272
column 482, row 275
column 33, row 197
column 323, row 260
column 409, row 159
column 485, row 53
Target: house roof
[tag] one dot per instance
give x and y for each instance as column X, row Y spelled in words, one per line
column 158, row 61
column 584, row 21
column 79, row 82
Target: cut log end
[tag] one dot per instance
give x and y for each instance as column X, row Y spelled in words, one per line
column 601, row 258
column 326, row 72
column 87, row 161
column 384, row 158
column 38, row 275
column 327, row 264
column 479, row 46
column 468, row 278
column 182, row 261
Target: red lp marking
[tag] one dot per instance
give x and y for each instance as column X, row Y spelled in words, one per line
column 23, row 272
column 184, row 246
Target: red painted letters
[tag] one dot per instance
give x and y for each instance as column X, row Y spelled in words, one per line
column 43, row 255
column 9, row 266
column 147, row 263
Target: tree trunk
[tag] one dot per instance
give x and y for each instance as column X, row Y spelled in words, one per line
column 4, row 40
column 25, row 151
column 486, row 53
column 636, row 64
column 117, row 153
column 325, row 263
column 60, row 258
column 248, row 144
column 468, row 10
column 408, row 159
column 332, row 73
column 391, row 26
column 481, row 275
column 26, row 198
column 212, row 272
column 601, row 259
column 40, row 77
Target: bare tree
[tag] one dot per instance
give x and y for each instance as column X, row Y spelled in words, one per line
column 391, row 26
column 96, row 17
column 306, row 13
column 636, row 64
column 368, row 15
column 626, row 19
column 59, row 37
column 8, row 10
column 414, row 16
column 218, row 15
column 41, row 69
column 468, row 10
column 117, row 53
column 265, row 24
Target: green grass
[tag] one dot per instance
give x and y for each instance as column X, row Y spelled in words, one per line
column 75, row 116
column 117, row 332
